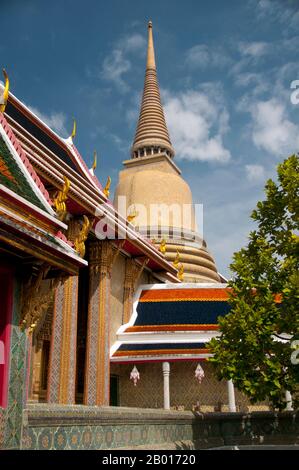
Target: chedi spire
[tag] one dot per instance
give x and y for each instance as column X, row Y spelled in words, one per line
column 152, row 135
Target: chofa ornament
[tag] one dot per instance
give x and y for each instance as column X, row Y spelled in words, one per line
column 4, row 97
column 199, row 373
column 135, row 376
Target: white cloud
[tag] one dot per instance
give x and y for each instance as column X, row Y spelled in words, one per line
column 255, row 173
column 251, row 54
column 254, row 49
column 197, row 124
column 272, row 130
column 133, row 43
column 257, row 82
column 117, row 64
column 203, row 56
column 278, row 11
column 114, row 67
column 55, row 120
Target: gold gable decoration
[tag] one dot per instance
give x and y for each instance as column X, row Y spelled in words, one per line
column 61, row 198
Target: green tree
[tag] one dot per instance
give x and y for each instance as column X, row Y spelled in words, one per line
column 264, row 298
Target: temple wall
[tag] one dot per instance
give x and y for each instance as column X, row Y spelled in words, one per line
column 185, row 391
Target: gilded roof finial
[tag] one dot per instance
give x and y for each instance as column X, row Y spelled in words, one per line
column 74, row 131
column 106, row 190
column 95, row 160
column 94, row 163
column 4, row 99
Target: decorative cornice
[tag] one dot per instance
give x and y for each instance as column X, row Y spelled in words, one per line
column 102, row 256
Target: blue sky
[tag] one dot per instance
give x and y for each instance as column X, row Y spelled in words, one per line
column 224, row 69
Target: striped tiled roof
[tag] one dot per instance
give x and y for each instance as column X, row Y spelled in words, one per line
column 171, row 323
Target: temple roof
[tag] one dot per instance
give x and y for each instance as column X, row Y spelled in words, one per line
column 171, row 322
column 26, row 124
column 28, row 224
column 151, row 128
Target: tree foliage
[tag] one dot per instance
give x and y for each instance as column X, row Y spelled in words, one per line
column 264, row 298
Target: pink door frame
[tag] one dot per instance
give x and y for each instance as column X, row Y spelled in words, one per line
column 6, row 308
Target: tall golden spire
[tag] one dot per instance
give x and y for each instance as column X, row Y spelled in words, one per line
column 150, row 62
column 152, row 135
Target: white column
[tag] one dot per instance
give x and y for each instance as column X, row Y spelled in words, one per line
column 166, row 372
column 231, row 396
column 289, row 401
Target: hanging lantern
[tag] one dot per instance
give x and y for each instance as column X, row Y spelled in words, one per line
column 199, row 373
column 135, row 376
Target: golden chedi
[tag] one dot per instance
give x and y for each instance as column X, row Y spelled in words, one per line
column 151, row 183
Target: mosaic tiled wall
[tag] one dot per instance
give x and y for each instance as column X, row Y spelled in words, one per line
column 81, row 427
column 104, row 437
column 11, row 417
column 185, row 391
